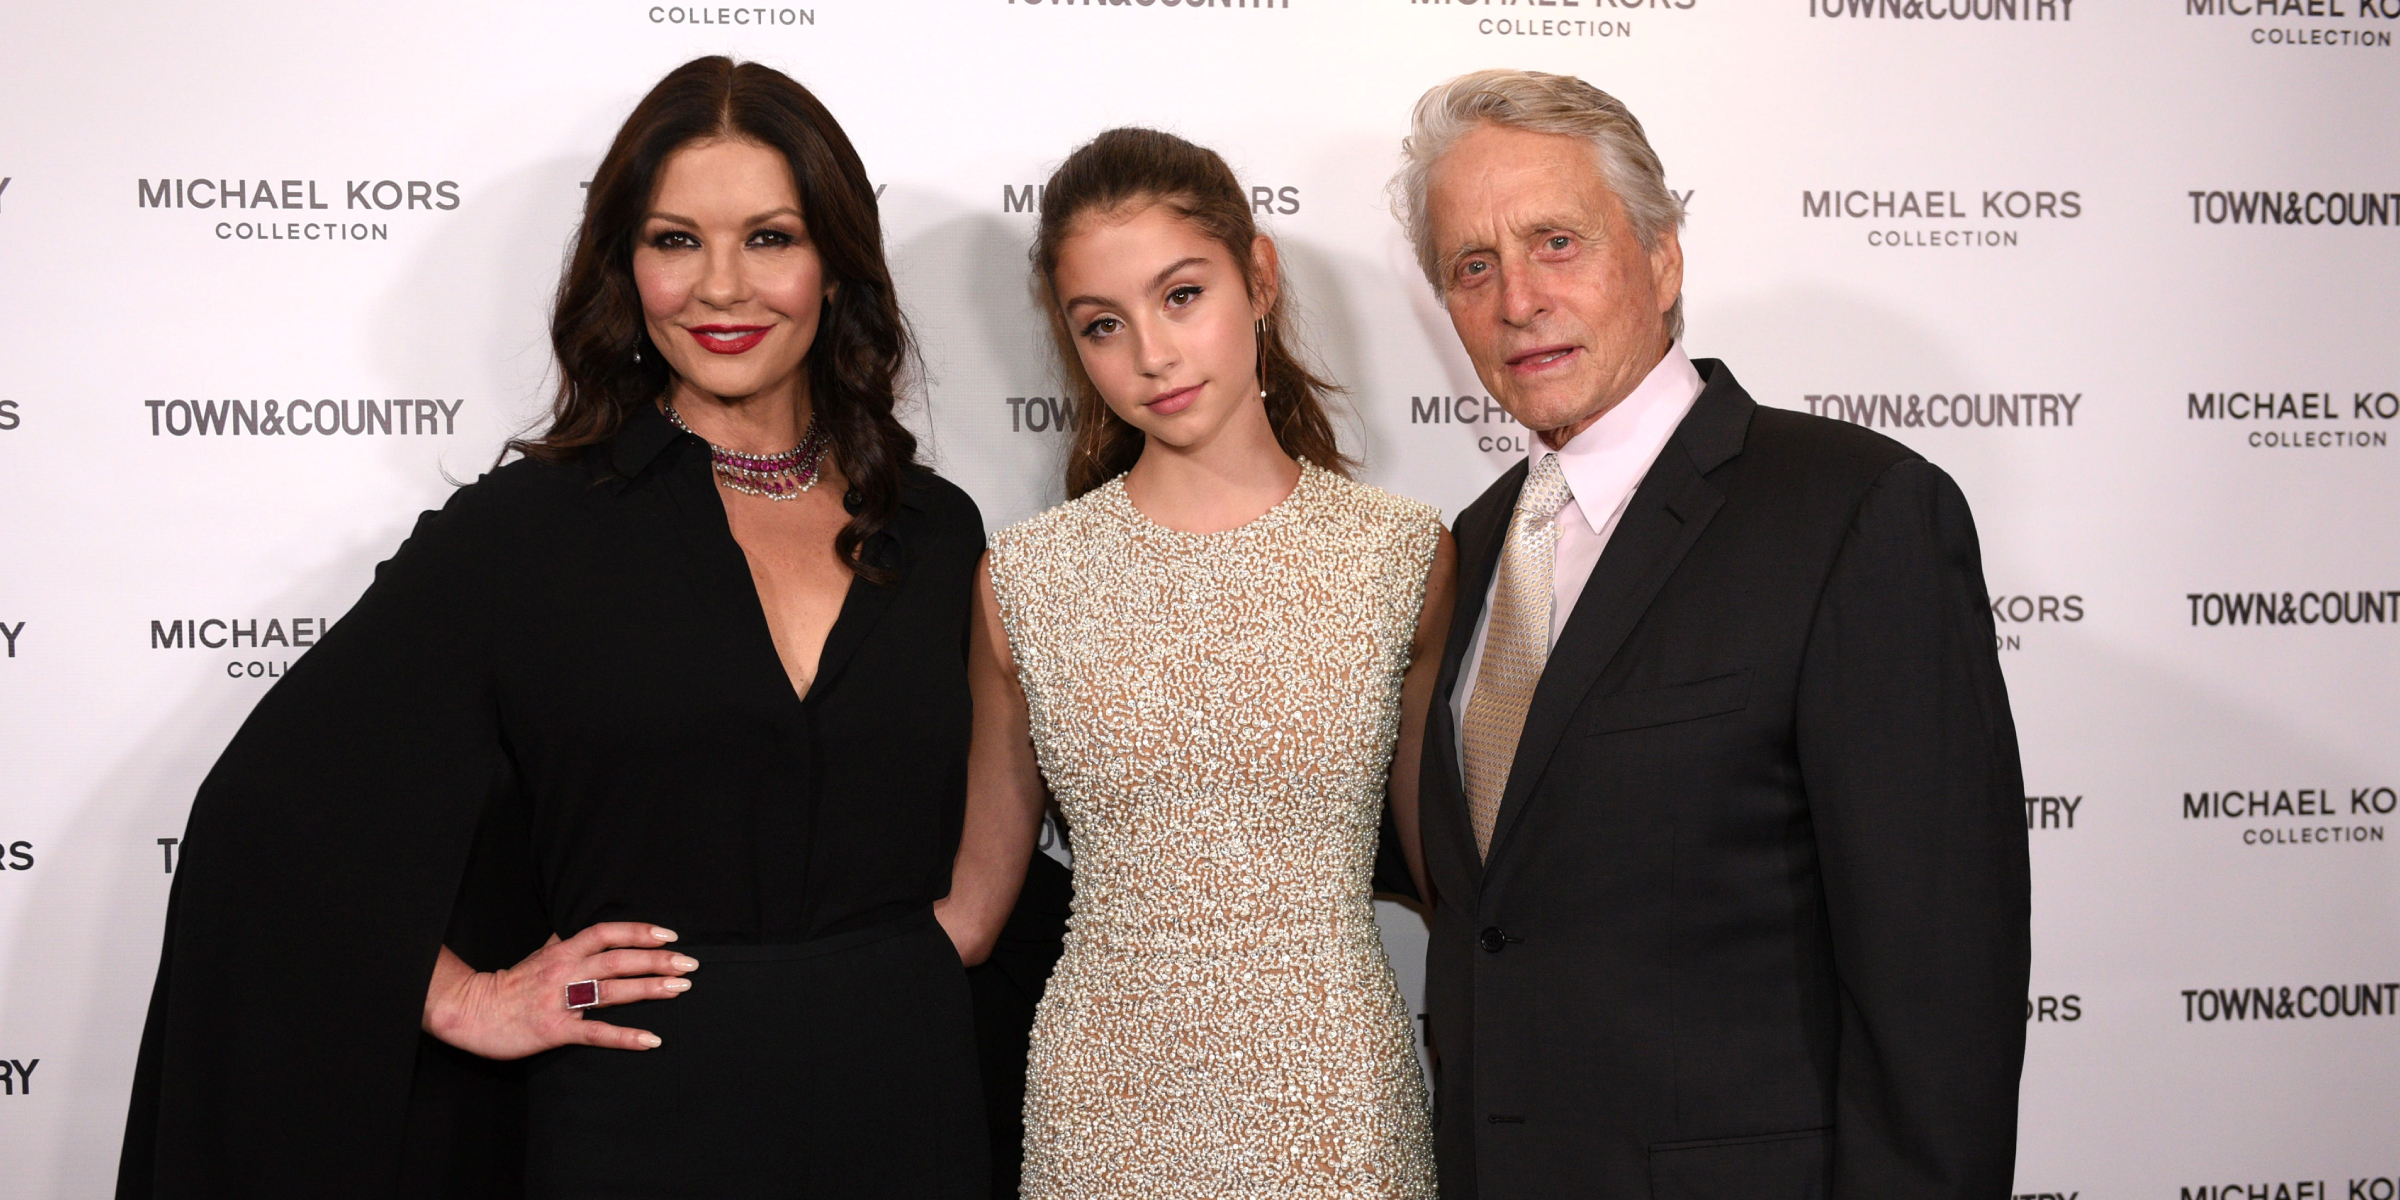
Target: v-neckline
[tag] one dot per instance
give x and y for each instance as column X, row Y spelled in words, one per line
column 758, row 605
column 725, row 570
column 758, row 602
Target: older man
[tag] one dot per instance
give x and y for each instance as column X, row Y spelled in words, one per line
column 1722, row 807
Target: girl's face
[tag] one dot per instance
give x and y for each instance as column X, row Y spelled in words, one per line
column 731, row 286
column 1162, row 320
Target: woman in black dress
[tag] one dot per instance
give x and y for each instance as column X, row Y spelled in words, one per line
column 685, row 686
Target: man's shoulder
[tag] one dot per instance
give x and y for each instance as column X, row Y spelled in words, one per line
column 1806, row 463
column 1728, row 428
column 1829, row 445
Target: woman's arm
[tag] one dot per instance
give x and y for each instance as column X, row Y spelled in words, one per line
column 1004, row 788
column 1416, row 693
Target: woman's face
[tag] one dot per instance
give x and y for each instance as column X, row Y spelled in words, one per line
column 731, row 286
column 1162, row 321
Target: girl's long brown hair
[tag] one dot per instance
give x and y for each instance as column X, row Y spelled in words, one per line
column 1145, row 166
column 854, row 367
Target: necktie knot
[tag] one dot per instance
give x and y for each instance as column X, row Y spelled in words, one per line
column 1545, row 491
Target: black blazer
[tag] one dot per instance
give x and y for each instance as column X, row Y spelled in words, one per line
column 1754, row 922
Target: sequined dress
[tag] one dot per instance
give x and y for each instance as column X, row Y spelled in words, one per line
column 1216, row 715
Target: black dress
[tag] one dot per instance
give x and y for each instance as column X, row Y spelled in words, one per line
column 559, row 704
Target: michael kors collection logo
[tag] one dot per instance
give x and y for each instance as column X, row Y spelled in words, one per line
column 8, row 415
column 1264, row 201
column 753, row 17
column 2022, row 610
column 2046, row 1009
column 2010, row 610
column 235, row 633
column 370, row 196
column 2307, row 412
column 1556, row 19
column 2313, row 816
column 2315, row 10
column 2003, row 204
column 16, row 856
column 300, row 418
column 2304, row 1189
column 1481, row 411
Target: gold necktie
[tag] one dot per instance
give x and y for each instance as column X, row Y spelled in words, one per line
column 1516, row 642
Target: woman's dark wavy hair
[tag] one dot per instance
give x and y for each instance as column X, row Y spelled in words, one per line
column 862, row 347
column 1144, row 166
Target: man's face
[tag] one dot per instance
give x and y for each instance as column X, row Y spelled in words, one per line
column 1553, row 296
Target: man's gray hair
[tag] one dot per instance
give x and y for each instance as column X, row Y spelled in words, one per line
column 1538, row 103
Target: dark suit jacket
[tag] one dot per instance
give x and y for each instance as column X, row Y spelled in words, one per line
column 1754, row 922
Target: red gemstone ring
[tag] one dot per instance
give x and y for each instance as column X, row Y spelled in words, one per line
column 583, row 993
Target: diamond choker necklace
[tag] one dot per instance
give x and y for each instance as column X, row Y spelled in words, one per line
column 776, row 476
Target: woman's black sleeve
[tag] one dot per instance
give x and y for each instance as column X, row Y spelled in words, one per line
column 319, row 870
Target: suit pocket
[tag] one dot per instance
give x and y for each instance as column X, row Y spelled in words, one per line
column 1669, row 705
column 1768, row 1166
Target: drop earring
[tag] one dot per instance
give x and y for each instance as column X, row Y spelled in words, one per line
column 1260, row 327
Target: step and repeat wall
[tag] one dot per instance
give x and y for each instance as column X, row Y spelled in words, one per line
column 273, row 277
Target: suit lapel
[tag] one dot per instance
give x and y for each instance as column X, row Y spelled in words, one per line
column 1667, row 514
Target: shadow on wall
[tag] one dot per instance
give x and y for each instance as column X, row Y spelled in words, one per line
column 966, row 284
column 1324, row 321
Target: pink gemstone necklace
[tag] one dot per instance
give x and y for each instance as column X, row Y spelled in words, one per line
column 776, row 476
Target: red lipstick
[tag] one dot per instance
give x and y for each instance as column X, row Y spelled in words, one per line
column 727, row 339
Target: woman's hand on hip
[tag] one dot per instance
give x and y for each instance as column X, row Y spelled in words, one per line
column 522, row 1010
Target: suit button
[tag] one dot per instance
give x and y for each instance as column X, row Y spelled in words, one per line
column 1491, row 939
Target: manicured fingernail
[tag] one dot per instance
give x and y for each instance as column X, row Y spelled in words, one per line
column 649, row 1041
column 661, row 935
column 685, row 964
column 677, row 985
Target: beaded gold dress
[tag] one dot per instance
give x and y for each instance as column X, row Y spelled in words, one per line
column 1216, row 715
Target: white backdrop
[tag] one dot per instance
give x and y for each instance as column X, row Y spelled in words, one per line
column 2124, row 267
